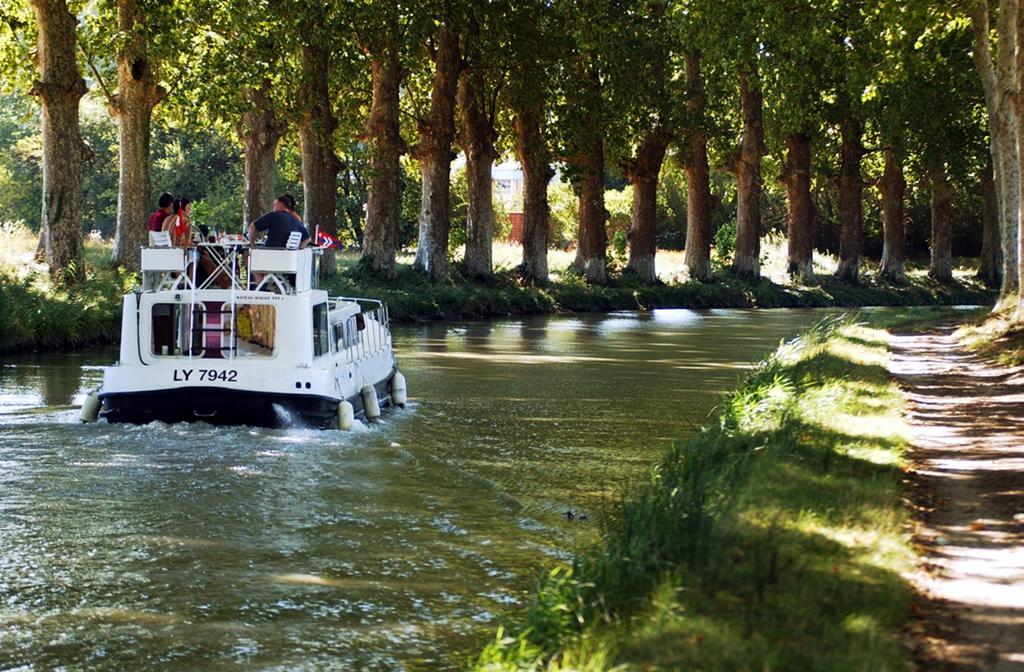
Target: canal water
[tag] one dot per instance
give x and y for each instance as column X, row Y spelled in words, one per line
column 396, row 547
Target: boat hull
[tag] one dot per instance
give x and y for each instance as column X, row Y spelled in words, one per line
column 219, row 406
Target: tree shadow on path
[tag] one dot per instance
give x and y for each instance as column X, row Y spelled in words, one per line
column 967, row 476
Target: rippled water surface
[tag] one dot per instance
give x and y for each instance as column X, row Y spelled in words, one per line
column 395, row 547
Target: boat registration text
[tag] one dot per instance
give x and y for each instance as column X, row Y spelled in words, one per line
column 205, row 375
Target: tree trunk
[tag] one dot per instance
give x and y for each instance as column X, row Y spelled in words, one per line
column 893, row 187
column 797, row 177
column 434, row 152
column 698, row 179
column 999, row 84
column 941, row 264
column 592, row 243
column 851, row 186
column 1019, row 100
column 138, row 93
column 592, row 238
column 320, row 165
column 746, row 261
column 380, row 238
column 477, row 139
column 532, row 152
column 990, row 262
column 642, row 172
column 60, row 87
column 353, row 190
column 260, row 133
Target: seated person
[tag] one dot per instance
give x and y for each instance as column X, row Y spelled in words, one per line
column 179, row 223
column 165, row 209
column 287, row 201
column 278, row 224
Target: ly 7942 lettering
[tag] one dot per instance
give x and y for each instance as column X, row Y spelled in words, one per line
column 205, row 376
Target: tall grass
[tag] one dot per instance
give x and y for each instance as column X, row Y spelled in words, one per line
column 771, row 540
column 40, row 312
column 999, row 334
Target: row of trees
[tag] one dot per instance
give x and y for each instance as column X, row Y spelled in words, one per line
column 806, row 90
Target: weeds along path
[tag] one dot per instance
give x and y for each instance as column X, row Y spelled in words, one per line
column 967, row 461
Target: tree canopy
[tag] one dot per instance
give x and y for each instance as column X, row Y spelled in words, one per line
column 802, row 101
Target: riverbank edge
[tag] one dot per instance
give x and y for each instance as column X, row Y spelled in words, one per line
column 998, row 335
column 47, row 318
column 705, row 566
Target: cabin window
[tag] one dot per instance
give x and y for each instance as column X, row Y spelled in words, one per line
column 217, row 332
column 346, row 334
column 321, row 331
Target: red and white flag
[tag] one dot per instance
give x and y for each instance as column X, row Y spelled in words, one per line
column 324, row 239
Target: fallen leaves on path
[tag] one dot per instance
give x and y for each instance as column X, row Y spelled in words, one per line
column 967, row 482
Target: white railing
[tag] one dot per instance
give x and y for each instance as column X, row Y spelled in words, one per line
column 259, row 268
column 375, row 334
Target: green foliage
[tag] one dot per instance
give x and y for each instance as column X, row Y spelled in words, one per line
column 564, row 207
column 459, row 203
column 671, row 207
column 724, row 245
column 20, row 164
column 42, row 314
column 410, row 187
column 17, row 43
column 586, row 67
column 618, row 203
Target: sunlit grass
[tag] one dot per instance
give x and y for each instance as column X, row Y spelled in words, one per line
column 17, row 250
column 772, row 540
column 45, row 312
column 999, row 334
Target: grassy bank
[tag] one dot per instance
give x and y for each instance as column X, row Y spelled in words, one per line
column 38, row 312
column 771, row 540
column 411, row 297
column 47, row 314
column 999, row 334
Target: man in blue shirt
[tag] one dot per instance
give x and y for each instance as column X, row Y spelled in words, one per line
column 279, row 224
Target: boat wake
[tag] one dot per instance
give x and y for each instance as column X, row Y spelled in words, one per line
column 286, row 419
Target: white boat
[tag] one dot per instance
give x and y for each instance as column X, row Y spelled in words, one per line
column 254, row 342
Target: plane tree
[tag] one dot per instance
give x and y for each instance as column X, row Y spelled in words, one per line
column 740, row 28
column 652, row 114
column 589, row 118
column 56, row 82
column 383, row 33
column 527, row 98
column 795, row 72
column 239, row 83
column 145, row 46
column 435, row 124
column 698, row 121
column 854, row 55
column 994, row 29
column 945, row 126
column 480, row 83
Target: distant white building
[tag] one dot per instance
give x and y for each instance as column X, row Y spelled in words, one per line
column 508, row 185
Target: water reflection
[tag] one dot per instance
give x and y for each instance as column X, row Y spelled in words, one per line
column 396, row 547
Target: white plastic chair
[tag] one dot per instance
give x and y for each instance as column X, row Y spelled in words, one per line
column 294, row 238
column 159, row 238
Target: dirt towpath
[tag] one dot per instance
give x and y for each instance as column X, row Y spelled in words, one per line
column 967, row 464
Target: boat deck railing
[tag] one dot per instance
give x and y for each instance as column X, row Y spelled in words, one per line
column 232, row 265
column 366, row 333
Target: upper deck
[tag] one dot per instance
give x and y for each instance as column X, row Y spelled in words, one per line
column 230, row 265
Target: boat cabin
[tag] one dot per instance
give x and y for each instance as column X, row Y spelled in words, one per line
column 218, row 301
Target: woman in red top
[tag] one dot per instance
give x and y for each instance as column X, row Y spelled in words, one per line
column 179, row 224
